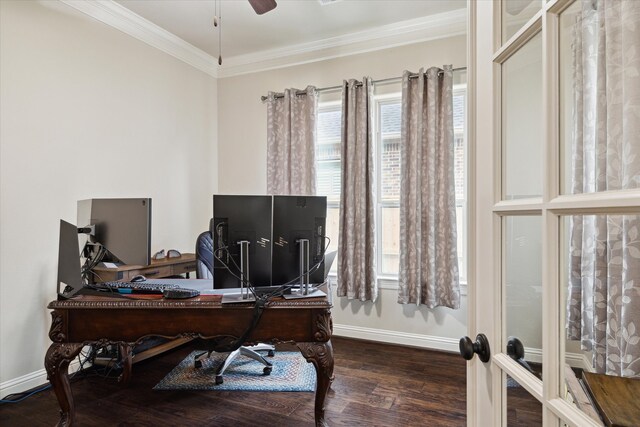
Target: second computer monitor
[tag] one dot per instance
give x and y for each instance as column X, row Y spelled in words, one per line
column 297, row 218
column 122, row 226
column 238, row 219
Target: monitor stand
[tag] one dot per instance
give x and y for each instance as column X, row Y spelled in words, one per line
column 298, row 294
column 245, row 294
column 236, row 298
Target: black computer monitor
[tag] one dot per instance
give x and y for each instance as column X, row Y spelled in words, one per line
column 122, row 226
column 296, row 218
column 69, row 268
column 238, row 218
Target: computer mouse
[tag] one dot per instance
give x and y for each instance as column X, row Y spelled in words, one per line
column 138, row 278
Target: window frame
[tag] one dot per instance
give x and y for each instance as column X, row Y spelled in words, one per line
column 390, row 281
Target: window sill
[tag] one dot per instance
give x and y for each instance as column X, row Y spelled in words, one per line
column 391, row 282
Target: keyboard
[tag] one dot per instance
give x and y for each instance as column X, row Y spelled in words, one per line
column 135, row 287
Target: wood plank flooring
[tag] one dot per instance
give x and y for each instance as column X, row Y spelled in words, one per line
column 375, row 385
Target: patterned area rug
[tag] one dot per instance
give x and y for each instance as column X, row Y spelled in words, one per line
column 291, row 372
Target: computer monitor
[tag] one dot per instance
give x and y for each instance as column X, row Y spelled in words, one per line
column 297, row 218
column 122, row 226
column 239, row 219
column 69, row 268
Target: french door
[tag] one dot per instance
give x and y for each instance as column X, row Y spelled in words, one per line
column 521, row 128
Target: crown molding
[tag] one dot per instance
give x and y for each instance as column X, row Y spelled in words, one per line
column 117, row 16
column 402, row 33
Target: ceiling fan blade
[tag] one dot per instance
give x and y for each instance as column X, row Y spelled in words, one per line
column 263, row 6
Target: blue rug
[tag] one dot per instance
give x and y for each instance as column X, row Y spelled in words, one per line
column 291, row 372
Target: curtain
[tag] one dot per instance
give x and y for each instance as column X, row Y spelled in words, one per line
column 291, row 137
column 603, row 308
column 357, row 242
column 428, row 242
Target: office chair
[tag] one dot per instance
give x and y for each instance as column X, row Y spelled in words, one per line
column 204, row 270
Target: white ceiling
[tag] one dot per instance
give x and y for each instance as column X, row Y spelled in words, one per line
column 293, row 22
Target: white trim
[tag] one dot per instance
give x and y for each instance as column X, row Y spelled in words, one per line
column 30, row 381
column 402, row 33
column 430, row 342
column 575, row 360
column 526, row 379
column 117, row 16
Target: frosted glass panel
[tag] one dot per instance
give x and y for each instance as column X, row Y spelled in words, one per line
column 522, row 122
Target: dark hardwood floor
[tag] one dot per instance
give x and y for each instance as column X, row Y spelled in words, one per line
column 375, row 385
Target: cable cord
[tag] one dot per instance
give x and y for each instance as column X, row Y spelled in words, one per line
column 284, row 287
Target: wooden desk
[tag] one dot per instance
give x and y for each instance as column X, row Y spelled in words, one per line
column 97, row 320
column 157, row 269
column 616, row 398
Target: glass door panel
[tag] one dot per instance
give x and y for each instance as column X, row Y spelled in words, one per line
column 516, row 13
column 599, row 99
column 522, row 122
column 600, row 279
column 523, row 290
column 522, row 408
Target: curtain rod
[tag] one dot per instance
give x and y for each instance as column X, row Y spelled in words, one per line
column 326, row 89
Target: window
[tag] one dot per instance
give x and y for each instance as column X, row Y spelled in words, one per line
column 387, row 110
column 328, row 165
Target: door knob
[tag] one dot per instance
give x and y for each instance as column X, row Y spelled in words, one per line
column 515, row 350
column 480, row 347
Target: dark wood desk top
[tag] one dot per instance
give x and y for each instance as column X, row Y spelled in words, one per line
column 616, row 398
column 89, row 317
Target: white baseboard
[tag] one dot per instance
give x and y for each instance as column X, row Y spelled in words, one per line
column 430, row 342
column 31, row 380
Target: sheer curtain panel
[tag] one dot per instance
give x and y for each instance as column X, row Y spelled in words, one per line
column 291, row 137
column 357, row 243
column 428, row 245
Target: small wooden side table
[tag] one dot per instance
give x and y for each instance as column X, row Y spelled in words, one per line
column 157, row 269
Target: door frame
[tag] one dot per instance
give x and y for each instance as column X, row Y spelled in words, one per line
column 486, row 402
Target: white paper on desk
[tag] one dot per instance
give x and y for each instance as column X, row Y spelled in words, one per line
column 109, row 265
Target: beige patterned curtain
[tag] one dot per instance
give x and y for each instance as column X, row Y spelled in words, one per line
column 603, row 308
column 428, row 243
column 291, row 138
column 357, row 243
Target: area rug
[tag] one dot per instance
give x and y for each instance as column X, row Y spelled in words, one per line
column 291, row 372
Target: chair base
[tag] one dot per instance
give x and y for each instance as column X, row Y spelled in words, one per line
column 249, row 351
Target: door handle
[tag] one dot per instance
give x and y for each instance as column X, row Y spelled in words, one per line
column 515, row 350
column 480, row 347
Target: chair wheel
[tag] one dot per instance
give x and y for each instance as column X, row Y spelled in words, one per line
column 198, row 363
column 219, row 379
column 271, row 353
column 267, row 370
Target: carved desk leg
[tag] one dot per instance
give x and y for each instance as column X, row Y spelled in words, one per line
column 126, row 357
column 56, row 363
column 321, row 355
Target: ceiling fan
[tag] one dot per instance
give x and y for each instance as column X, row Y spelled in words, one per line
column 263, row 6
column 260, row 6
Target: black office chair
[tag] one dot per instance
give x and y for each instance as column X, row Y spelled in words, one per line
column 204, row 270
